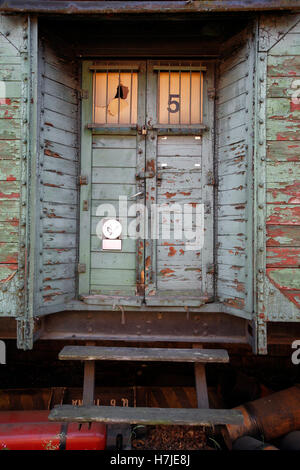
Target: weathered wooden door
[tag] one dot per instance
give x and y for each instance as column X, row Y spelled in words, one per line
column 146, row 151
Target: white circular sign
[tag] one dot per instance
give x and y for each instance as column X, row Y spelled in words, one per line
column 112, row 229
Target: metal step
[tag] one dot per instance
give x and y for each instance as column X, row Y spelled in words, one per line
column 98, row 353
column 146, row 416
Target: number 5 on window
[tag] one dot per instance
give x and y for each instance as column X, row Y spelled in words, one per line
column 173, row 102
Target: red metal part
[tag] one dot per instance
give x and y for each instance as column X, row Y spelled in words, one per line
column 31, row 430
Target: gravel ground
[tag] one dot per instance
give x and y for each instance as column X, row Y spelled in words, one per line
column 171, row 438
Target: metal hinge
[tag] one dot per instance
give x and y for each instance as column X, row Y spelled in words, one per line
column 210, row 179
column 211, row 268
column 82, row 180
column 144, row 175
column 83, row 94
column 81, row 268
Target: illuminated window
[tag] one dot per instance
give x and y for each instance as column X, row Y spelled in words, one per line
column 180, row 97
column 115, row 97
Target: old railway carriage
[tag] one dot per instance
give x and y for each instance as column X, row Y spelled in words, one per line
column 194, row 104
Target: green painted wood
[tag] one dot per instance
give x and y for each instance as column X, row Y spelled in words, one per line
column 54, row 103
column 283, row 235
column 98, row 353
column 111, row 260
column 284, row 65
column 153, row 416
column 111, row 157
column 283, row 214
column 56, row 150
column 280, row 87
column 288, row 45
column 283, row 172
column 285, row 277
column 278, row 151
column 232, row 90
column 9, row 128
column 283, row 256
column 112, row 277
column 59, row 256
column 9, row 149
column 283, row 192
column 9, row 252
column 57, row 120
column 60, row 91
column 114, row 175
column 51, row 209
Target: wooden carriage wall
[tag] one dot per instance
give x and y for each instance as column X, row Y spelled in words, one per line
column 256, row 139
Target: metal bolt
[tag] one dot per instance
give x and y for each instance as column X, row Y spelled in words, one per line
column 261, row 121
column 260, row 206
column 260, row 270
column 261, row 79
column 262, row 159
column 261, row 185
column 262, row 58
column 261, row 142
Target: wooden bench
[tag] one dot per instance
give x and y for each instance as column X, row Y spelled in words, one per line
column 201, row 416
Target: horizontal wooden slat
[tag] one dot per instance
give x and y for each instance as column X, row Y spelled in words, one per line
column 153, row 416
column 284, row 66
column 98, row 353
column 283, row 235
column 285, row 256
column 284, row 150
column 108, row 141
column 114, row 157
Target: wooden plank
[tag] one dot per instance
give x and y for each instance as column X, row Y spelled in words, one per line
column 10, row 108
column 282, row 108
column 60, row 166
column 109, row 141
column 56, row 150
column 9, row 170
column 232, row 91
column 53, row 210
column 200, row 382
column 60, row 136
column 112, row 191
column 280, row 87
column 58, row 271
column 283, row 235
column 10, row 128
column 235, row 195
column 283, row 192
column 114, row 175
column 52, row 195
column 9, row 149
column 53, row 103
column 9, row 210
column 114, row 157
column 280, row 151
column 284, row 129
column 230, row 257
column 111, row 260
column 283, row 214
column 10, row 90
column 9, row 231
column 151, row 416
column 59, row 240
column 60, row 91
column 88, row 383
column 60, row 180
column 279, row 172
column 64, row 74
column 288, row 45
column 232, row 136
column 99, row 353
column 235, row 73
column 9, row 252
column 53, row 256
column 279, row 256
column 284, row 66
column 286, row 278
column 59, row 121
column 232, row 121
column 110, row 277
column 231, row 106
column 59, row 225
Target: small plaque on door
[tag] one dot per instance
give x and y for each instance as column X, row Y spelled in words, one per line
column 111, row 232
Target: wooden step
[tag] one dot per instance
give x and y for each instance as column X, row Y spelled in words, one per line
column 147, row 416
column 98, row 353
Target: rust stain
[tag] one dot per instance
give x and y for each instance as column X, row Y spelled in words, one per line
column 181, row 251
column 49, row 124
column 172, row 251
column 11, row 178
column 14, row 222
column 167, row 272
column 184, row 193
column 10, row 260
column 51, row 154
column 151, row 165
column 169, row 195
column 148, row 263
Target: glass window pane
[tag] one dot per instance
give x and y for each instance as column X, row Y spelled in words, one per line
column 115, row 98
column 180, row 97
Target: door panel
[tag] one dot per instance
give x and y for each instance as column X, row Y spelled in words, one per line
column 164, row 165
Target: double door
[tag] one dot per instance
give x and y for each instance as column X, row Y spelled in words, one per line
column 146, row 202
